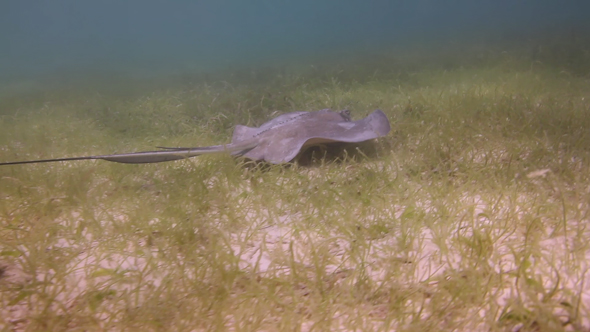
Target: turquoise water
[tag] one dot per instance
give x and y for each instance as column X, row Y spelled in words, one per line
column 150, row 37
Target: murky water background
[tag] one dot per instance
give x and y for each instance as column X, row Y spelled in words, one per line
column 66, row 38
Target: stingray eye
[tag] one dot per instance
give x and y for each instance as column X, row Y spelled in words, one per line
column 346, row 115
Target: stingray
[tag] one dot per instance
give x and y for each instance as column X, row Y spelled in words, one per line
column 276, row 141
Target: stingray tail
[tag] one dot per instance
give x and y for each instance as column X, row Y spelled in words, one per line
column 168, row 154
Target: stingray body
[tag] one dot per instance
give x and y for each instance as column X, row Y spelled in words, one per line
column 276, row 141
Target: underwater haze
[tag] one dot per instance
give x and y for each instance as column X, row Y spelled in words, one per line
column 471, row 214
column 147, row 36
